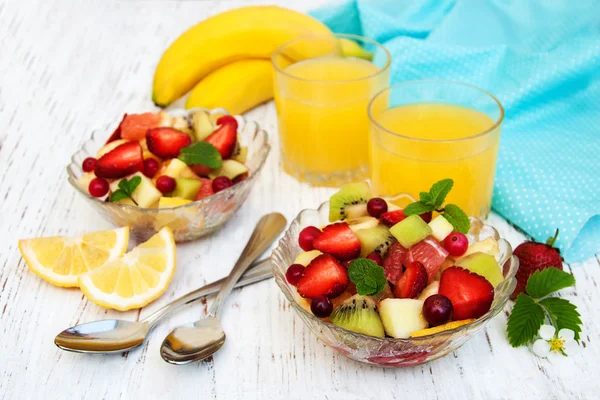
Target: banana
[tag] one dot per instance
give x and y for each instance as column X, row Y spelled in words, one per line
column 237, row 87
column 242, row 33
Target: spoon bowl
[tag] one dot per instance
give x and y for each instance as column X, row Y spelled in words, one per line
column 106, row 336
column 193, row 341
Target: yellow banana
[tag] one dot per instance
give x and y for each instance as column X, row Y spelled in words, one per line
column 247, row 32
column 237, row 87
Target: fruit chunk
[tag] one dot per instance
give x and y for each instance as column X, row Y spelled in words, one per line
column 167, row 142
column 376, row 206
column 121, row 161
column 186, row 188
column 321, row 306
column 410, row 231
column 362, row 223
column 170, row 202
column 165, row 184
column 116, row 135
column 358, row 314
column 339, row 241
column 307, row 237
column 349, row 195
column 437, row 309
column 224, row 139
column 60, row 259
column 391, row 218
column 456, row 243
column 241, row 155
column 412, row 282
column 98, row 187
column 202, row 124
column 306, row 257
column 230, row 169
column 430, row 290
column 324, row 276
column 393, row 262
column 442, row 328
column 374, row 240
column 440, row 228
column 146, row 194
column 484, row 265
column 400, row 317
column 84, row 180
column 206, row 189
column 221, row 183
column 429, row 253
column 487, row 246
column 294, row 274
column 135, row 126
column 471, row 294
column 135, row 279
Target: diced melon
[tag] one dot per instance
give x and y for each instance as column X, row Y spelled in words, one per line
column 166, row 120
column 241, row 155
column 440, row 228
column 186, row 188
column 145, row 195
column 85, row 179
column 487, row 246
column 202, row 125
column 410, row 231
column 401, row 317
column 109, row 147
column 177, row 169
column 484, row 265
column 230, row 169
column 430, row 290
column 306, row 257
column 170, row 202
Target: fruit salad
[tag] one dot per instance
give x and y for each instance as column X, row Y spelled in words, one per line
column 155, row 160
column 384, row 271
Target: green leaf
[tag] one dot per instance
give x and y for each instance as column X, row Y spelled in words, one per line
column 368, row 277
column 525, row 321
column 124, row 185
column 547, row 281
column 439, row 191
column 134, row 183
column 425, row 198
column 457, row 218
column 118, row 195
column 202, row 153
column 562, row 313
column 417, row 208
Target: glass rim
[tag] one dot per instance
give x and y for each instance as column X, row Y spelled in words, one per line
column 496, row 124
column 323, row 35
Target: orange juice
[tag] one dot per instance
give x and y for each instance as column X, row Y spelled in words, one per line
column 416, row 145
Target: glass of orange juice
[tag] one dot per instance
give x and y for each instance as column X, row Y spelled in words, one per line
column 425, row 131
column 323, row 84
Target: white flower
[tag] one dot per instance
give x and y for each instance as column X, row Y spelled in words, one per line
column 553, row 346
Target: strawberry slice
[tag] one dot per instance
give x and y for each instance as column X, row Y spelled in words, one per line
column 391, row 218
column 338, row 240
column 116, row 135
column 228, row 119
column 135, row 126
column 121, row 161
column 206, row 189
column 412, row 282
column 393, row 262
column 224, row 139
column 167, row 142
column 471, row 294
column 200, row 170
column 324, row 276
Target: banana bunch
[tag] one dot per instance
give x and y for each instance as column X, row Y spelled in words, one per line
column 225, row 59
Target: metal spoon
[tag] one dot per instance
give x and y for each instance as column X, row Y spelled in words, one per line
column 198, row 340
column 117, row 336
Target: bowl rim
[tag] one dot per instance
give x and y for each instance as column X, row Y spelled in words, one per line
column 277, row 252
column 264, row 153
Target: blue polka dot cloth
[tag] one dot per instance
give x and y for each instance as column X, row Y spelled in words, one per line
column 542, row 60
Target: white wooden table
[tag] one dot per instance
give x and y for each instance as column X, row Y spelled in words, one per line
column 67, row 66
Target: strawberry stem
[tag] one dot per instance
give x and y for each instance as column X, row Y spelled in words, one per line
column 551, row 240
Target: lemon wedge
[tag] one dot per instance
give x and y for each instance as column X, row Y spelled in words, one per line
column 135, row 279
column 60, row 259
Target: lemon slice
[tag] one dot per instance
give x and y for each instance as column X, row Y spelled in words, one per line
column 60, row 259
column 135, row 279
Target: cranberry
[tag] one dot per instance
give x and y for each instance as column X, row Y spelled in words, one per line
column 426, row 216
column 321, row 307
column 306, row 237
column 228, row 119
column 456, row 243
column 98, row 187
column 376, row 258
column 437, row 309
column 150, row 167
column 221, row 183
column 165, row 184
column 347, row 263
column 377, row 206
column 89, row 164
column 294, row 273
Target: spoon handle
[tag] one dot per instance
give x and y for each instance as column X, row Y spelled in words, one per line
column 265, row 232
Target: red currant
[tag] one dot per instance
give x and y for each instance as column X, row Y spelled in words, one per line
column 437, row 309
column 294, row 274
column 306, row 237
column 376, row 206
column 221, row 183
column 89, row 164
column 165, row 184
column 321, row 307
column 98, row 187
column 228, row 119
column 456, row 243
column 150, row 167
column 376, row 258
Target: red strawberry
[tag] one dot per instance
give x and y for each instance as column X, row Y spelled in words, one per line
column 393, row 262
column 117, row 133
column 206, row 189
column 412, row 282
column 135, row 126
column 224, row 139
column 167, row 142
column 123, row 160
column 240, row 178
column 533, row 257
column 338, row 240
column 200, row 170
column 471, row 294
column 228, row 119
column 324, row 276
column 391, row 218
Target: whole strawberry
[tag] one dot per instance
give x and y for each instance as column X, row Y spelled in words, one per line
column 534, row 256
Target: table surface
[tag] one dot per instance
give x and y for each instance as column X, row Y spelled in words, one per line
column 68, row 66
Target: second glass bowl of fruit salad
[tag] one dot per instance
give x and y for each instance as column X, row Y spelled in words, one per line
column 410, row 346
column 187, row 217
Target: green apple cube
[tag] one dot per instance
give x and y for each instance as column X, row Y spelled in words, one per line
column 186, row 188
column 146, row 195
column 401, row 317
column 410, row 231
column 230, row 169
column 484, row 265
column 440, row 228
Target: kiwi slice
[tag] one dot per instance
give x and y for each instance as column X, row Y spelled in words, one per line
column 358, row 314
column 349, row 195
column 376, row 239
column 362, row 223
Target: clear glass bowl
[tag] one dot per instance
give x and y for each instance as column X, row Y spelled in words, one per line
column 388, row 352
column 189, row 221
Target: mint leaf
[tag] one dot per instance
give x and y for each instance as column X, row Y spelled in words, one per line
column 417, row 208
column 367, row 276
column 134, row 183
column 562, row 313
column 124, row 185
column 457, row 218
column 202, row 153
column 547, row 281
column 439, row 191
column 525, row 320
column 425, row 198
column 118, row 195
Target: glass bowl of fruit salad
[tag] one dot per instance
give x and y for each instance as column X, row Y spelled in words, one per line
column 188, row 170
column 388, row 289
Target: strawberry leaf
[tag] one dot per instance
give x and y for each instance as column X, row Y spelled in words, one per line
column 368, row 277
column 202, row 153
column 439, row 191
column 525, row 320
column 562, row 313
column 457, row 218
column 417, row 208
column 547, row 281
